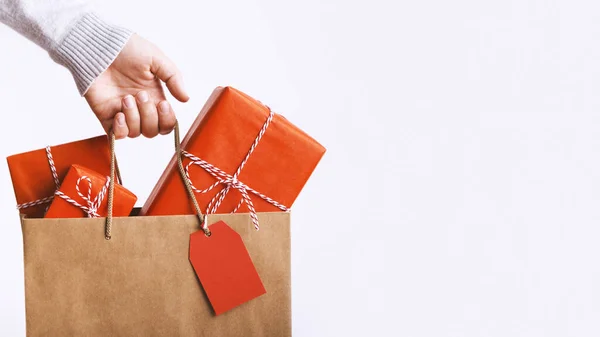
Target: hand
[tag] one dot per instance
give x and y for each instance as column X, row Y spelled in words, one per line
column 129, row 98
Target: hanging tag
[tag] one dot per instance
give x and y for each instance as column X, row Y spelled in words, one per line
column 224, row 267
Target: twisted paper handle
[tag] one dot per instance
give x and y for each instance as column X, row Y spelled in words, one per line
column 222, row 178
column 111, row 185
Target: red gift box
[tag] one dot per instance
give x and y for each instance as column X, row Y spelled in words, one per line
column 84, row 193
column 238, row 155
column 37, row 174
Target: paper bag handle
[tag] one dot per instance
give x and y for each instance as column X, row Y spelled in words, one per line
column 111, row 186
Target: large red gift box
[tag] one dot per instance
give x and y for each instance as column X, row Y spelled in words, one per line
column 37, row 174
column 232, row 124
column 84, row 193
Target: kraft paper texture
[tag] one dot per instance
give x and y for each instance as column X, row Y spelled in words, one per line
column 141, row 282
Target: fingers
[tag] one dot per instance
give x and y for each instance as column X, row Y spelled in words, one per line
column 140, row 116
column 166, row 118
column 148, row 114
column 120, row 128
column 132, row 116
column 167, row 72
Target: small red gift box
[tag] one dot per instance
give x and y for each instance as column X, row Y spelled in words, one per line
column 84, row 193
column 37, row 174
column 238, row 154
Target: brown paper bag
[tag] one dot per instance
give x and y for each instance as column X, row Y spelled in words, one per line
column 139, row 281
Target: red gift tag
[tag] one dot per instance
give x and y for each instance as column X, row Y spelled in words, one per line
column 224, row 267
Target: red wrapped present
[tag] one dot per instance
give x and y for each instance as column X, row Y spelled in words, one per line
column 238, row 154
column 36, row 175
column 84, row 193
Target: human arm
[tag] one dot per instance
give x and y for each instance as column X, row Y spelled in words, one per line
column 109, row 63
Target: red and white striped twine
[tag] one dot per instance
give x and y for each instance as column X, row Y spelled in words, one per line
column 91, row 209
column 56, row 183
column 231, row 181
column 92, row 205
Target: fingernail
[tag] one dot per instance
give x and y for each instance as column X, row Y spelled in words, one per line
column 120, row 120
column 142, row 96
column 163, row 107
column 129, row 101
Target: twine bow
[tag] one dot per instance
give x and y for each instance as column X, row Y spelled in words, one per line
column 92, row 205
column 48, row 199
column 231, row 181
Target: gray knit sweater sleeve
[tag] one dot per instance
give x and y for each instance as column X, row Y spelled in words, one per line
column 70, row 32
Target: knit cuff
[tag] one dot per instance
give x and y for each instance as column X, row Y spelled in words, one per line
column 89, row 48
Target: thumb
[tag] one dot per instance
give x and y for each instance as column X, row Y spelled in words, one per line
column 166, row 71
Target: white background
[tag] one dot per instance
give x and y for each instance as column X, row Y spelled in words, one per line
column 460, row 192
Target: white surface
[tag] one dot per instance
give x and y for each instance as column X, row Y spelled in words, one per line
column 459, row 195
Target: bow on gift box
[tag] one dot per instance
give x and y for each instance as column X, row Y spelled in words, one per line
column 55, row 176
column 92, row 206
column 231, row 181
